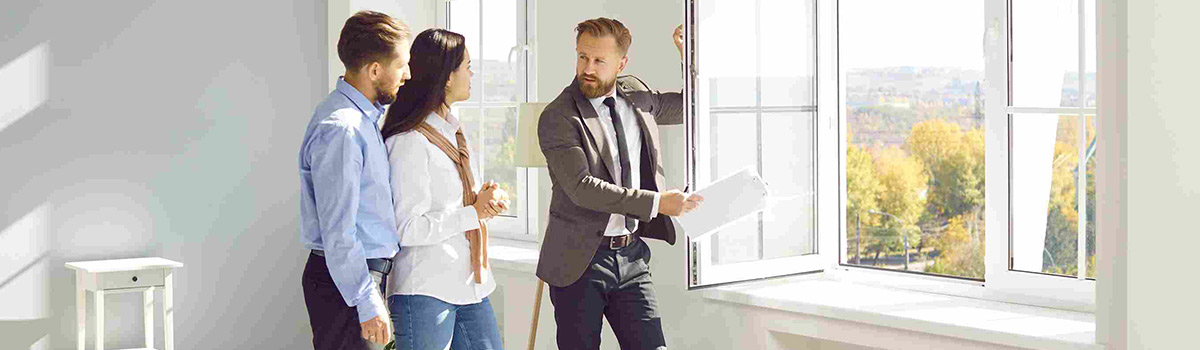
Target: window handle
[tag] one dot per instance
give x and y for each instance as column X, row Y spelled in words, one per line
column 519, row 49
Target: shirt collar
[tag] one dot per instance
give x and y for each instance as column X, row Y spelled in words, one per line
column 372, row 110
column 447, row 126
column 599, row 101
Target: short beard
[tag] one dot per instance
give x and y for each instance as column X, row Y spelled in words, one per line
column 384, row 97
column 600, row 89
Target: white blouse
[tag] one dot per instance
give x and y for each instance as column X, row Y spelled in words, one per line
column 435, row 256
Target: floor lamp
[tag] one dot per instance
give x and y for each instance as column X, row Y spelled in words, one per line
column 529, row 155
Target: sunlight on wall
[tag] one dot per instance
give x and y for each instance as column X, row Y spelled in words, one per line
column 25, row 279
column 24, row 83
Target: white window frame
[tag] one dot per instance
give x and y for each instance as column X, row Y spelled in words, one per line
column 702, row 273
column 1078, row 292
column 1000, row 283
column 524, row 227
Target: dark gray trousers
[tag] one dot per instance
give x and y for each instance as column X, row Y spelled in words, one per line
column 616, row 286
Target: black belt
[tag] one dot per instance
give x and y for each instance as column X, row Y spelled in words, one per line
column 616, row 242
column 379, row 265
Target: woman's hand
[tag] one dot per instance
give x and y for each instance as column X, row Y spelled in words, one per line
column 491, row 201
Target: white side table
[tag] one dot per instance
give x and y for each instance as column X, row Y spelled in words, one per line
column 124, row 276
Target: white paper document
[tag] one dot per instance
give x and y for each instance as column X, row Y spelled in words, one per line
column 727, row 200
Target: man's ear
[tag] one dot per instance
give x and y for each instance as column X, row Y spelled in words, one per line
column 624, row 61
column 374, row 70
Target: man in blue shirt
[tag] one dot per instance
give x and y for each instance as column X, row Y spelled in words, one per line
column 346, row 213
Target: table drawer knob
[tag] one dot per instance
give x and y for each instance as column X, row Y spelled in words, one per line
column 135, row 278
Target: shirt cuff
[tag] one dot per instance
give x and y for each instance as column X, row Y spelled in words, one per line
column 654, row 208
column 468, row 218
column 367, row 306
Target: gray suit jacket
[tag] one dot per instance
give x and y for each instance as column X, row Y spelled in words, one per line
column 584, row 194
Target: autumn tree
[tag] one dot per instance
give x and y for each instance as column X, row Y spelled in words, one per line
column 862, row 193
column 903, row 184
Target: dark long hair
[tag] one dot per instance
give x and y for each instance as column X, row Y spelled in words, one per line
column 435, row 54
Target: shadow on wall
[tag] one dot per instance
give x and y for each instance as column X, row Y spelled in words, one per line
column 142, row 128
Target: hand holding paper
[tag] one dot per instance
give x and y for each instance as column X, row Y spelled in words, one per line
column 676, row 203
column 734, row 197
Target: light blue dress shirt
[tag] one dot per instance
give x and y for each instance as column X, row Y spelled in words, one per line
column 345, row 195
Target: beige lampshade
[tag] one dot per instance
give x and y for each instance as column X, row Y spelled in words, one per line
column 528, row 152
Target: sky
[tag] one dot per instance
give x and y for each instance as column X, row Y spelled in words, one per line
column 884, row 33
column 949, row 33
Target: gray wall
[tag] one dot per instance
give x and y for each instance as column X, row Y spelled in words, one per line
column 1162, row 189
column 169, row 129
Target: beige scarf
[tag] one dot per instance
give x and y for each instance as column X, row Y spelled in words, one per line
column 462, row 159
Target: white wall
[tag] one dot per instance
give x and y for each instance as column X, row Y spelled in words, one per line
column 1163, row 174
column 166, row 129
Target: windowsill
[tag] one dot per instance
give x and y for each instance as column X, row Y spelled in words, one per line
column 817, row 295
column 513, row 255
column 950, row 316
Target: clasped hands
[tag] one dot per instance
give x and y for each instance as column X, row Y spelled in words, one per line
column 491, row 201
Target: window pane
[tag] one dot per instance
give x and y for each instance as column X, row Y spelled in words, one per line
column 1045, row 53
column 1089, row 41
column 735, row 147
column 750, row 56
column 468, row 115
column 787, row 167
column 728, row 52
column 754, row 109
column 915, row 150
column 787, row 70
column 1045, row 217
column 503, row 31
column 787, row 228
column 464, row 19
column 499, row 142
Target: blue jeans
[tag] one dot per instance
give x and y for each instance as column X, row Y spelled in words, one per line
column 424, row 322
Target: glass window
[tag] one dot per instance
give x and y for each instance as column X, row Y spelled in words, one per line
column 1052, row 150
column 754, row 76
column 914, row 145
column 500, row 52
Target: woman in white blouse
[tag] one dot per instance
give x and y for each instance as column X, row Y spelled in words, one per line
column 440, row 279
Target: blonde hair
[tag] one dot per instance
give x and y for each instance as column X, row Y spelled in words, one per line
column 601, row 27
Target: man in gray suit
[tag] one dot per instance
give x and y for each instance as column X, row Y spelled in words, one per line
column 600, row 138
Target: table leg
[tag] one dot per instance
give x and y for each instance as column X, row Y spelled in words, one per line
column 99, row 319
column 80, row 311
column 148, row 315
column 168, row 313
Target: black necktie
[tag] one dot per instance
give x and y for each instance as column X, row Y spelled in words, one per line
column 622, row 153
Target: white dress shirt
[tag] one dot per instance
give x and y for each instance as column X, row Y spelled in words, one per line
column 633, row 147
column 435, row 257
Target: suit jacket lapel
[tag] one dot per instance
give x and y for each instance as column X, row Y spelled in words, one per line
column 591, row 121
